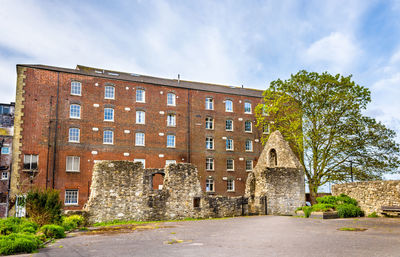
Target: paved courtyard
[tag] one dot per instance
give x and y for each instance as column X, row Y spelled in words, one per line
column 243, row 236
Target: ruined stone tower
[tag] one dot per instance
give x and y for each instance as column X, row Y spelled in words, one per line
column 276, row 186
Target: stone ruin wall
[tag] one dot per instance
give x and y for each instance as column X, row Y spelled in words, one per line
column 123, row 190
column 371, row 195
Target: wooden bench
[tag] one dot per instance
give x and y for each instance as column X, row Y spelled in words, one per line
column 390, row 210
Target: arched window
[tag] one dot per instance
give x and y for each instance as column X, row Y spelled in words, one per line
column 273, row 158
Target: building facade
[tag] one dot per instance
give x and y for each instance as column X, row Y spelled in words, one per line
column 6, row 137
column 67, row 119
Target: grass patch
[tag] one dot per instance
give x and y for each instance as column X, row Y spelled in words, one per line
column 124, row 222
column 174, row 241
column 352, row 229
column 373, row 215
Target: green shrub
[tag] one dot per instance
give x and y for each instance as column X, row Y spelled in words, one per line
column 373, row 215
column 347, row 210
column 344, row 199
column 307, row 211
column 44, row 206
column 15, row 225
column 53, row 231
column 337, row 200
column 323, row 207
column 19, row 243
column 327, row 199
column 72, row 222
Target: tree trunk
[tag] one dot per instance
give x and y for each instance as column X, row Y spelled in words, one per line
column 313, row 193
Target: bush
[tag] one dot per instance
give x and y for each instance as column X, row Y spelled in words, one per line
column 72, row 222
column 327, row 199
column 307, row 211
column 44, row 207
column 347, row 210
column 373, row 215
column 323, row 207
column 15, row 225
column 19, row 243
column 53, row 231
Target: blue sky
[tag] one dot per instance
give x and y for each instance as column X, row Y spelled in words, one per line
column 226, row 42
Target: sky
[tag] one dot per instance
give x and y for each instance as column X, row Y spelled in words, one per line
column 249, row 43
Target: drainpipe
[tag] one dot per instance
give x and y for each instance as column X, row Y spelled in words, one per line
column 48, row 143
column 188, row 121
column 55, row 131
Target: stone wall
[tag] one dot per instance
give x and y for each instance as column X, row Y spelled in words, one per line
column 372, row 195
column 123, row 190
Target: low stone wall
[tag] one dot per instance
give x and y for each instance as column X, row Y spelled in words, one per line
column 123, row 190
column 371, row 195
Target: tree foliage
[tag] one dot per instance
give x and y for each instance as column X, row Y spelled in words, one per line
column 321, row 115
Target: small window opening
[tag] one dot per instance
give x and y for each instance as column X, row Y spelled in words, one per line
column 196, row 202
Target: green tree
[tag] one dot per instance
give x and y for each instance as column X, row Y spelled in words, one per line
column 321, row 115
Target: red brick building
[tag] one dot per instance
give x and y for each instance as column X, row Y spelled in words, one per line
column 66, row 119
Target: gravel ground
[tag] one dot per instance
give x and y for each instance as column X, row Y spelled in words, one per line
column 243, row 236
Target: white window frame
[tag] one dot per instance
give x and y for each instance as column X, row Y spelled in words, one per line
column 106, row 118
column 228, row 108
column 248, row 145
column 169, row 141
column 73, row 140
column 4, row 175
column 171, row 99
column 140, row 138
column 209, row 143
column 209, row 123
column 245, row 111
column 210, row 185
column 232, row 185
column 75, row 111
column 143, row 95
column 74, row 192
column 140, row 117
column 109, row 92
column 72, row 159
column 231, row 125
column 209, row 103
column 3, row 150
column 209, row 163
column 251, row 126
column 251, row 163
column 104, row 137
column 168, row 162
column 171, row 120
column 30, row 161
column 267, row 131
column 233, row 165
column 74, row 86
column 232, row 148
column 143, row 161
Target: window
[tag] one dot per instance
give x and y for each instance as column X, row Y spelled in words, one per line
column 230, row 164
column 109, row 92
column 170, row 140
column 228, row 106
column 230, row 185
column 171, row 99
column 71, row 197
column 75, row 111
column 209, row 164
column 247, row 107
column 265, row 110
column 249, row 146
column 4, row 175
column 266, row 128
column 140, row 95
column 247, row 126
column 139, row 139
column 31, row 161
column 209, row 103
column 4, row 109
column 140, row 117
column 171, row 120
column 73, row 163
column 209, row 123
column 74, row 135
column 108, row 114
column 76, row 88
column 5, row 150
column 229, row 144
column 249, row 165
column 229, row 125
column 168, row 162
column 209, row 185
column 142, row 161
column 108, row 137
column 209, row 143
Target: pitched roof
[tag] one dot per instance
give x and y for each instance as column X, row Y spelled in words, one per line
column 90, row 71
